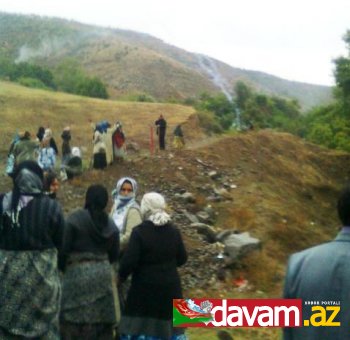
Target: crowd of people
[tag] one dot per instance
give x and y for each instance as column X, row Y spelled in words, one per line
column 104, row 275
column 43, row 149
column 67, row 277
column 108, row 147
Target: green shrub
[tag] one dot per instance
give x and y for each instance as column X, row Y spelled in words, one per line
column 31, row 82
column 145, row 98
column 208, row 122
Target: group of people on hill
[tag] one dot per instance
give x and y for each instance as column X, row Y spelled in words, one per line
column 108, row 144
column 109, row 141
column 44, row 151
column 161, row 126
column 96, row 253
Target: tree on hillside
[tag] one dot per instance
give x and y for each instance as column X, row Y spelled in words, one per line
column 20, row 71
column 223, row 109
column 342, row 74
column 70, row 78
column 265, row 111
column 243, row 94
column 330, row 125
column 68, row 75
column 92, row 87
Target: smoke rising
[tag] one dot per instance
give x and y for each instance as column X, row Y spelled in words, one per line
column 209, row 66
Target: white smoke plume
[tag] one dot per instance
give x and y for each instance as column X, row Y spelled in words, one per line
column 209, row 66
column 46, row 48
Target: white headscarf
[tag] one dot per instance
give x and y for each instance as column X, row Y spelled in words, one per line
column 153, row 209
column 76, row 151
column 47, row 134
column 123, row 203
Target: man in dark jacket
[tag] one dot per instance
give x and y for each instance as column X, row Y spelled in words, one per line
column 161, row 129
column 321, row 274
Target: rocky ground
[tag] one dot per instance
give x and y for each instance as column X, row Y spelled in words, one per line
column 275, row 186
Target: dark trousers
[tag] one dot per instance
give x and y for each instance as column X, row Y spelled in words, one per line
column 162, row 140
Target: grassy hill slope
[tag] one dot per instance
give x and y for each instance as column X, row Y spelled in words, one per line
column 26, row 109
column 134, row 63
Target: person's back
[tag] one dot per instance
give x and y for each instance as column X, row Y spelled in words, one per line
column 31, row 235
column 154, row 252
column 47, row 156
column 178, row 131
column 161, row 130
column 179, row 141
column 66, row 149
column 321, row 275
column 160, row 253
column 74, row 167
column 25, row 149
column 90, row 307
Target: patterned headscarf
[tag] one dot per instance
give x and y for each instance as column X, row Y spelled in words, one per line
column 153, row 209
column 27, row 183
column 123, row 203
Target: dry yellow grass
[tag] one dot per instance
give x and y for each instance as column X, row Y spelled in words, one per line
column 22, row 108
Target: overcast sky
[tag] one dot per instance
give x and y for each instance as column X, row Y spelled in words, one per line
column 292, row 39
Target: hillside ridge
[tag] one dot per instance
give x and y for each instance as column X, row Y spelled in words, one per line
column 133, row 63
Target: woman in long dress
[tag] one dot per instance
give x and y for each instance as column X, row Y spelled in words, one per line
column 154, row 252
column 31, row 235
column 90, row 306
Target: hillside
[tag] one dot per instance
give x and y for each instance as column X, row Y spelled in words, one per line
column 26, row 109
column 280, row 188
column 134, row 63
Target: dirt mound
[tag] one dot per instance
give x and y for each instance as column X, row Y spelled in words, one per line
column 278, row 187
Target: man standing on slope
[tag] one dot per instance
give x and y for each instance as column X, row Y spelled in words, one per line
column 321, row 275
column 161, row 129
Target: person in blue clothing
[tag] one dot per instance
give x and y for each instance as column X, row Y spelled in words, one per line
column 322, row 274
column 47, row 156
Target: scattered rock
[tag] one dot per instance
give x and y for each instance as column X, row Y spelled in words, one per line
column 187, row 197
column 239, row 245
column 203, row 216
column 191, row 217
column 206, row 230
column 214, row 174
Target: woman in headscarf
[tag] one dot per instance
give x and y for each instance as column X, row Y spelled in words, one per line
column 99, row 150
column 154, row 252
column 31, row 234
column 118, row 139
column 51, row 184
column 125, row 210
column 40, row 133
column 74, row 165
column 90, row 306
column 66, row 149
column 48, row 135
column 47, row 156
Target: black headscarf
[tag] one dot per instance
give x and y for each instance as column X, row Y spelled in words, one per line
column 40, row 133
column 27, row 180
column 95, row 202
